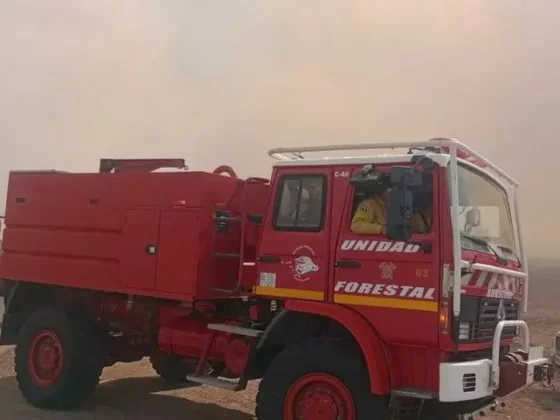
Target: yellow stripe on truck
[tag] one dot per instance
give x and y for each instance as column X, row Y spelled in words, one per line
column 289, row 293
column 381, row 302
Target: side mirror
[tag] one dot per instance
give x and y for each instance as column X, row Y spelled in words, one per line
column 402, row 174
column 399, row 214
column 400, row 201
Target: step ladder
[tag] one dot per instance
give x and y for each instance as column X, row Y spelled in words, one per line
column 205, row 379
column 223, row 219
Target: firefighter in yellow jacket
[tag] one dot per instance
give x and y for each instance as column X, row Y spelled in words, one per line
column 370, row 216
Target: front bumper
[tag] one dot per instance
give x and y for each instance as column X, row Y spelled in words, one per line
column 467, row 381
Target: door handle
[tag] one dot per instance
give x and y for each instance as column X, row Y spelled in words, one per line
column 348, row 264
column 269, row 258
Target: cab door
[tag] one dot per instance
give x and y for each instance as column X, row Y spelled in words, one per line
column 293, row 252
column 395, row 285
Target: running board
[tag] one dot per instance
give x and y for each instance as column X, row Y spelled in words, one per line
column 216, row 382
column 232, row 329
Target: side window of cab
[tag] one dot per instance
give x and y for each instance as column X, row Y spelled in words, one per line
column 369, row 207
column 300, row 204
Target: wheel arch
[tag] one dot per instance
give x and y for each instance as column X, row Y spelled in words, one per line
column 21, row 298
column 305, row 320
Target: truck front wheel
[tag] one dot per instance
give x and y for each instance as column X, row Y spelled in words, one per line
column 58, row 359
column 319, row 379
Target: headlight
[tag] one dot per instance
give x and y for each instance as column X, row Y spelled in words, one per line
column 464, row 330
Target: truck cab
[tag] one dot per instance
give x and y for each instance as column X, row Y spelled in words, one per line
column 443, row 283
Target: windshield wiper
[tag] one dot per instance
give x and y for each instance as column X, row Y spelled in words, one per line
column 510, row 251
column 482, row 241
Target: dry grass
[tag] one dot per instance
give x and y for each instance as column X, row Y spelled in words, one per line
column 131, row 391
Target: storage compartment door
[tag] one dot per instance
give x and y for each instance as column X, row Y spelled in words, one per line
column 139, row 250
column 178, row 252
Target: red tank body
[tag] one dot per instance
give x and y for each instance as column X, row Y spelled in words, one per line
column 136, row 233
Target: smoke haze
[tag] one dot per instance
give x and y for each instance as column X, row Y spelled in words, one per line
column 222, row 82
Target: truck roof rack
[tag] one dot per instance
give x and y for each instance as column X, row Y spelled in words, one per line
column 296, row 153
column 37, row 171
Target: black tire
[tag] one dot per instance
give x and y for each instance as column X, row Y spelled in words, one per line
column 337, row 359
column 80, row 345
column 171, row 367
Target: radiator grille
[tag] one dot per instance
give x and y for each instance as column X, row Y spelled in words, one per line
column 481, row 315
column 488, row 318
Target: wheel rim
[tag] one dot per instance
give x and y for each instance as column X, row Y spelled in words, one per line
column 319, row 396
column 45, row 358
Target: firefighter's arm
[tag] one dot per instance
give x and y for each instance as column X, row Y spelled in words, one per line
column 417, row 223
column 364, row 221
column 361, row 226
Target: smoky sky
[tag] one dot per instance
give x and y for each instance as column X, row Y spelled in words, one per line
column 222, row 82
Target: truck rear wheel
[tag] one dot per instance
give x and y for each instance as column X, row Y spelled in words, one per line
column 58, row 359
column 319, row 379
column 171, row 367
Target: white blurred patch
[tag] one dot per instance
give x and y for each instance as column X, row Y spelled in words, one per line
column 485, row 224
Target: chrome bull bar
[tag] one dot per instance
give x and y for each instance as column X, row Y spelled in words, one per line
column 495, row 375
column 535, row 355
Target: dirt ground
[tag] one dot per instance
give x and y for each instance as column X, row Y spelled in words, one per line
column 132, row 391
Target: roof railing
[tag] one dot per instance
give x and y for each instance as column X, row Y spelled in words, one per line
column 283, row 153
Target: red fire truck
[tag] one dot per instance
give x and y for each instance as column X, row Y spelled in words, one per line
column 221, row 280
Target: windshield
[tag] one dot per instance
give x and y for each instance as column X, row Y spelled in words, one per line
column 484, row 209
